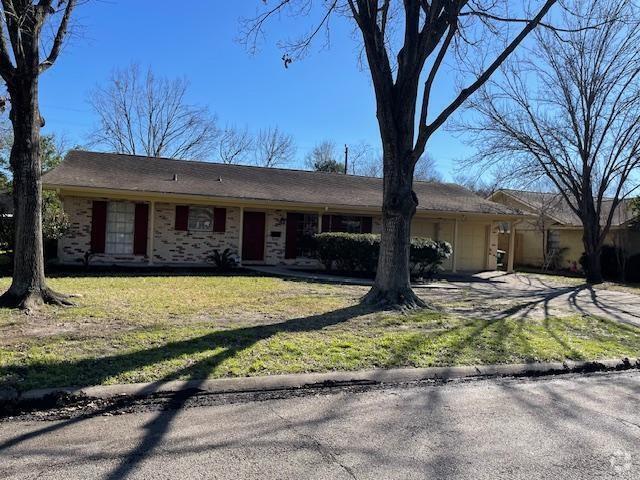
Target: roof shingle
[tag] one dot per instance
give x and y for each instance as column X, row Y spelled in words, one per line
column 555, row 206
column 156, row 175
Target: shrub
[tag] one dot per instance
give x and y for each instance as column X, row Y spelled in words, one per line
column 7, row 237
column 349, row 252
column 632, row 271
column 611, row 261
column 223, row 262
column 426, row 256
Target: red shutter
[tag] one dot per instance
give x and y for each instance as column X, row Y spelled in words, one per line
column 182, row 217
column 291, row 240
column 140, row 229
column 98, row 226
column 367, row 224
column 219, row 219
column 326, row 223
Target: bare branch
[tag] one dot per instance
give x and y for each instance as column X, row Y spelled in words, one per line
column 60, row 35
column 273, row 148
column 427, row 130
column 151, row 116
column 235, row 145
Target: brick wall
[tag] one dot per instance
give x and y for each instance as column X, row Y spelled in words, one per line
column 174, row 246
column 170, row 246
column 183, row 247
column 73, row 246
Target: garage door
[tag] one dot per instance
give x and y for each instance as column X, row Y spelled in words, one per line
column 423, row 228
column 472, row 247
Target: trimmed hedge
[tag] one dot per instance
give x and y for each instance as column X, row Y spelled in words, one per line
column 351, row 252
column 633, row 269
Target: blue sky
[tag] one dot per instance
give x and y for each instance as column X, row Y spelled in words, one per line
column 325, row 96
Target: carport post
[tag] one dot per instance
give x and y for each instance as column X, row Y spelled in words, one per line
column 454, row 261
column 512, row 246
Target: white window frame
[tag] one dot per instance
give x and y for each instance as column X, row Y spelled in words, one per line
column 120, row 228
column 200, row 224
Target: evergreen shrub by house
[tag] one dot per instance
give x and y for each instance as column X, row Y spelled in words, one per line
column 351, row 252
column 633, row 269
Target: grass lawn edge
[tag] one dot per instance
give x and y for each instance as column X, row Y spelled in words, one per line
column 324, row 379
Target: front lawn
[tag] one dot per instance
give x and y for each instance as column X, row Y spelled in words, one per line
column 154, row 328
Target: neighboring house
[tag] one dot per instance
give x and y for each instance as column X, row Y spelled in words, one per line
column 127, row 209
column 553, row 232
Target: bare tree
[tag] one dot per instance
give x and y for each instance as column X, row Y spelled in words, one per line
column 324, row 158
column 572, row 114
column 364, row 160
column 426, row 170
column 142, row 114
column 274, row 148
column 235, row 145
column 479, row 184
column 21, row 64
column 403, row 40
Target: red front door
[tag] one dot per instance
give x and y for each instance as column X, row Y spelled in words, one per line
column 253, row 236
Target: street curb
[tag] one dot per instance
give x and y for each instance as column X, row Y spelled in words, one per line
column 320, row 380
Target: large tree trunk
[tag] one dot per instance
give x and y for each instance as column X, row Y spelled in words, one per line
column 392, row 286
column 592, row 250
column 28, row 288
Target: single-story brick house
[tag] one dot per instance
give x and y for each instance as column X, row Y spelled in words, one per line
column 553, row 227
column 127, row 209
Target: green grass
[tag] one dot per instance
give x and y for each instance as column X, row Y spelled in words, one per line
column 137, row 329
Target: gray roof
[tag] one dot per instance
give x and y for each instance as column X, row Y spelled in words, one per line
column 556, row 207
column 237, row 182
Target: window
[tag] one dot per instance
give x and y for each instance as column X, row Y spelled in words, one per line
column 307, row 227
column 347, row 223
column 352, row 224
column 200, row 219
column 120, row 224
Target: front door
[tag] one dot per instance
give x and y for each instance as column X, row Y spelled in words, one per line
column 253, row 236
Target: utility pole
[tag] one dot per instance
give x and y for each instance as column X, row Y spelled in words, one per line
column 346, row 159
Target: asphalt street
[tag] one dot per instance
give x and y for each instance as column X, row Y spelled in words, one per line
column 564, row 427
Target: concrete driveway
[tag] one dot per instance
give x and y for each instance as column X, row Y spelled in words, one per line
column 495, row 295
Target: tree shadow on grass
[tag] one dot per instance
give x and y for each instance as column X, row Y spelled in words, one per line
column 228, row 342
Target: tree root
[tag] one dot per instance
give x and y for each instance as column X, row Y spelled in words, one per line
column 30, row 300
column 403, row 299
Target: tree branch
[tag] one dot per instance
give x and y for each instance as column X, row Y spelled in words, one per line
column 427, row 130
column 60, row 36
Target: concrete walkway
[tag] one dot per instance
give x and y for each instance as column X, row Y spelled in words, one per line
column 285, row 272
column 280, row 271
column 570, row 428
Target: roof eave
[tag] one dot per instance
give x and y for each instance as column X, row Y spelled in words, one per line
column 238, row 201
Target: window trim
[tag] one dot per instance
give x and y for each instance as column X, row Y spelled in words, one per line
column 192, row 210
column 110, row 247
